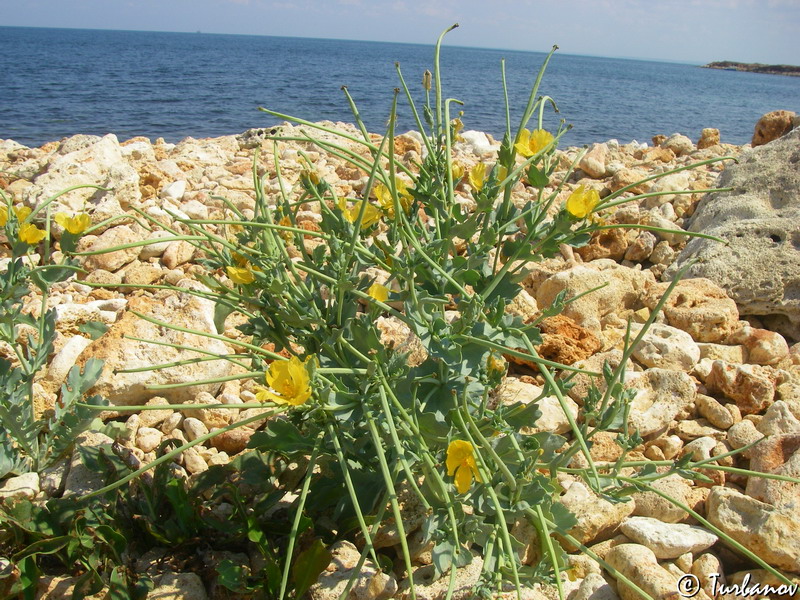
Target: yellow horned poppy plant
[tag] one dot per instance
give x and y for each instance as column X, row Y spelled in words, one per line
column 461, row 462
column 531, row 142
column 290, row 379
column 74, row 225
column 582, row 202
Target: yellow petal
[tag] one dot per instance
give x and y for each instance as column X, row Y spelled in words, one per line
column 241, row 275
column 23, row 212
column 458, row 172
column 30, row 234
column 379, row 292
column 582, row 202
column 74, row 225
column 522, row 144
column 477, row 175
column 539, row 140
column 3, row 216
column 463, row 479
column 457, row 453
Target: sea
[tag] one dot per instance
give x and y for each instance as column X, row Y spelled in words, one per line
column 56, row 83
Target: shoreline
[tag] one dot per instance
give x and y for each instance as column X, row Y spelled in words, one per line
column 728, row 65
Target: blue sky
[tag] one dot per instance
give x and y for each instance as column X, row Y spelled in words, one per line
column 695, row 31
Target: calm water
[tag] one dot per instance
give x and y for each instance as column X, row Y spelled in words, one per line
column 59, row 82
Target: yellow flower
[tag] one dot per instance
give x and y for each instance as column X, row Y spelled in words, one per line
column 290, row 379
column 75, row 225
column 379, row 292
column 496, row 363
column 458, row 172
column 582, row 202
column 461, row 462
column 458, row 125
column 243, row 275
column 3, row 216
column 531, row 142
column 23, row 212
column 311, row 175
column 372, row 214
column 384, row 196
column 477, row 174
column 502, row 173
column 30, row 234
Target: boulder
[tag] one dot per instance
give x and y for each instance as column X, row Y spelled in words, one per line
column 667, row 540
column 771, row 126
column 697, row 306
column 759, row 219
column 85, row 160
column 120, row 352
column 771, row 533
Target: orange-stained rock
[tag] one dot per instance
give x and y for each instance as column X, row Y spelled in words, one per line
column 698, row 306
column 708, row 137
column 606, row 243
column 752, row 387
column 771, row 126
column 566, row 342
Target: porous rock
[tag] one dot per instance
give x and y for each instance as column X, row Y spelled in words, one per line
column 759, row 220
column 771, row 533
column 697, row 306
column 666, row 347
column 119, row 352
column 661, row 395
column 370, row 584
column 667, row 540
column 771, row 126
column 638, row 564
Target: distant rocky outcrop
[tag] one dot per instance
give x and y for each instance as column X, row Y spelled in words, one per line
column 759, row 219
column 755, row 68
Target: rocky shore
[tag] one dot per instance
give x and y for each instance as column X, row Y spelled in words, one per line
column 719, row 370
column 728, row 65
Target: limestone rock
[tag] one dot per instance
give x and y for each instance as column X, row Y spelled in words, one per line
column 120, row 352
column 566, row 342
column 607, row 243
column 21, row 486
column 622, row 289
column 759, row 266
column 233, row 441
column 638, row 564
column 593, row 162
column 771, row 126
column 81, row 480
column 771, row 533
column 763, row 347
column 661, row 395
column 667, row 540
column 679, row 144
column 780, row 455
column 179, row 586
column 708, row 137
column 82, row 160
column 666, row 347
column 111, row 261
column 697, row 306
column 650, row 504
column 752, row 387
column 597, row 518
column 370, row 584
